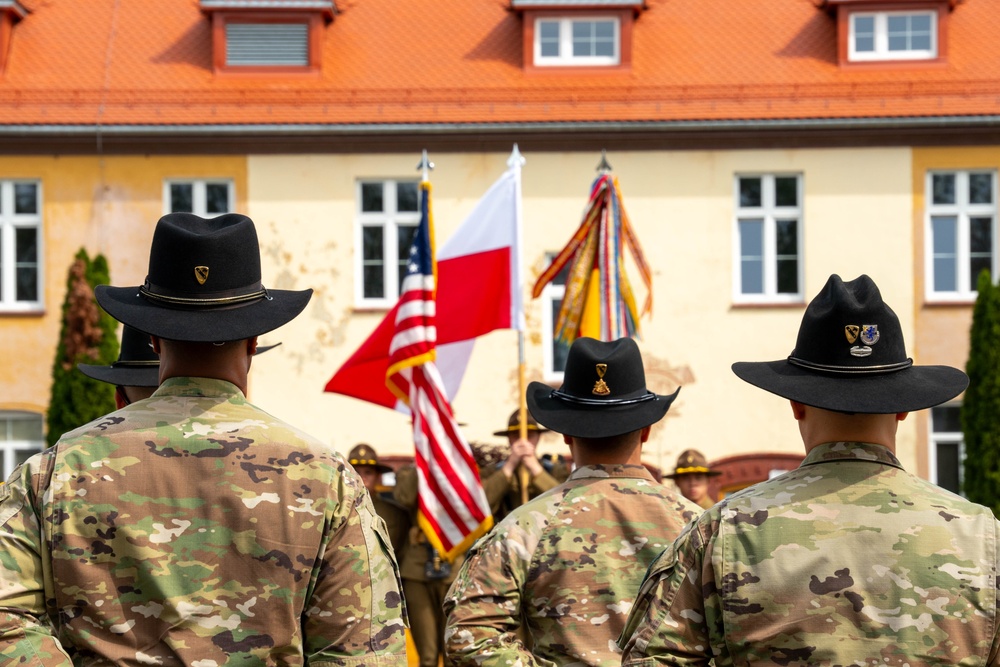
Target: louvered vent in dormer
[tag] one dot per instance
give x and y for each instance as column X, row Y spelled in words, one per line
column 267, row 44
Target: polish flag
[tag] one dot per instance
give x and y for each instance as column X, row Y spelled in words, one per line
column 479, row 289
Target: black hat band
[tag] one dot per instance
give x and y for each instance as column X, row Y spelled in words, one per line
column 600, row 401
column 135, row 364
column 851, row 370
column 215, row 300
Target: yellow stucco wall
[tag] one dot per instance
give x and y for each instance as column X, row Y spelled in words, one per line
column 107, row 205
column 857, row 218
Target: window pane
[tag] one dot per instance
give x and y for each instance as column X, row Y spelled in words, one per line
column 787, row 237
column 751, row 256
column 404, row 239
column 786, row 191
column 946, row 419
column 26, row 249
column 981, row 248
column 181, row 198
column 583, row 38
column 948, row 464
column 943, row 186
column 559, row 350
column 604, row 32
column 26, row 429
column 788, row 276
column 25, row 198
column 549, row 38
column 943, row 232
column 980, row 189
column 407, row 199
column 373, row 254
column 864, row 33
column 750, row 192
column 217, row 198
column 372, row 198
column 898, row 33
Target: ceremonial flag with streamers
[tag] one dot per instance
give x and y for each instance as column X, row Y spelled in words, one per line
column 598, row 301
column 479, row 289
column 452, row 507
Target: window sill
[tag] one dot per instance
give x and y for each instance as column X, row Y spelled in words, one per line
column 365, row 310
column 962, row 302
column 24, row 312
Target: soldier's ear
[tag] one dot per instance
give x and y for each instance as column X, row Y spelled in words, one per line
column 798, row 410
column 155, row 341
column 251, row 346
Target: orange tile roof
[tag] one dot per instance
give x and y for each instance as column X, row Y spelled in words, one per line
column 139, row 62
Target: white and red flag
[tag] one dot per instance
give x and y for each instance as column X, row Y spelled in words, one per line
column 479, row 289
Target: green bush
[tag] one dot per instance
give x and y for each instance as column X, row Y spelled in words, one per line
column 88, row 335
column 981, row 405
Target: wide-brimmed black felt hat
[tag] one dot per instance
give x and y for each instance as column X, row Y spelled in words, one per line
column 514, row 424
column 204, row 284
column 603, row 392
column 850, row 357
column 138, row 365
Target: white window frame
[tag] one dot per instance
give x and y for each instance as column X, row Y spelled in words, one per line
column 882, row 51
column 390, row 220
column 963, row 211
column 199, row 197
column 552, row 294
column 770, row 213
column 9, row 447
column 940, row 437
column 566, row 57
column 10, row 222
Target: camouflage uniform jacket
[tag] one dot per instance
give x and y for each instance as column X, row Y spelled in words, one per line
column 847, row 560
column 192, row 528
column 567, row 565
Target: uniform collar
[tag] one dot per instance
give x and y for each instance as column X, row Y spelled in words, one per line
column 851, row 451
column 192, row 386
column 612, row 470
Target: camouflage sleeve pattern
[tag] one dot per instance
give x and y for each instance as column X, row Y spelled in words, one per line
column 26, row 637
column 483, row 606
column 371, row 627
column 673, row 608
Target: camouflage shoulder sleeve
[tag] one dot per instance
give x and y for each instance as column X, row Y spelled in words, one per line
column 669, row 624
column 994, row 655
column 483, row 606
column 25, row 635
column 355, row 615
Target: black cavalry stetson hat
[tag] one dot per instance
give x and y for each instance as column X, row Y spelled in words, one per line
column 850, row 357
column 137, row 365
column 514, row 424
column 204, row 284
column 603, row 393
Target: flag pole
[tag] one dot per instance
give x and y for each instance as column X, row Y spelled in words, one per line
column 515, row 162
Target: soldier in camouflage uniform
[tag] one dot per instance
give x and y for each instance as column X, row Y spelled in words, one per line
column 192, row 528
column 847, row 560
column 566, row 565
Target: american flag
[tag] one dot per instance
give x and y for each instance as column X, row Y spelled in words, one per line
column 452, row 507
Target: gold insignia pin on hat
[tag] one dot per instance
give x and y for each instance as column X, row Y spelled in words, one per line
column 601, row 387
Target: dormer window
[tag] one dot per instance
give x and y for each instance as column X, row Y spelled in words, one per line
column 888, row 31
column 577, row 41
column 11, row 12
column 893, row 36
column 267, row 36
column 577, row 33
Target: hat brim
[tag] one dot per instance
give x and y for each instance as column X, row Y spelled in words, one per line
column 707, row 473
column 131, row 376
column 589, row 421
column 137, row 376
column 913, row 388
column 508, row 431
column 205, row 325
